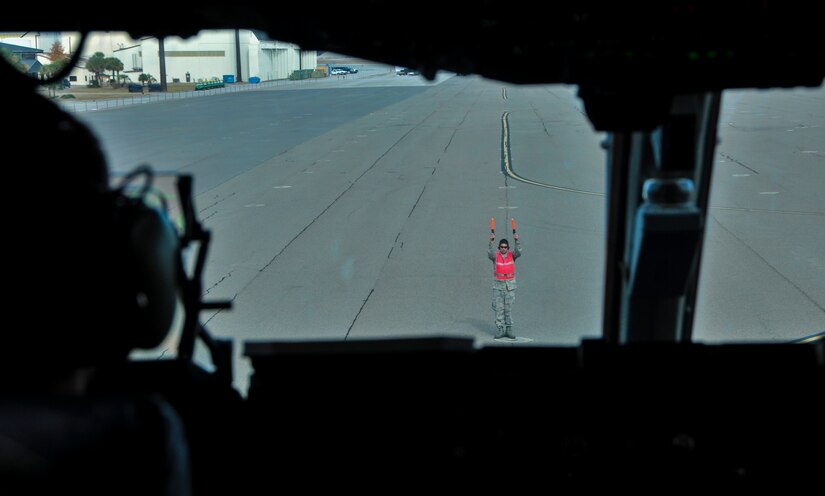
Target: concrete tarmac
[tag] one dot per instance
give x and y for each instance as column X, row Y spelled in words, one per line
column 361, row 209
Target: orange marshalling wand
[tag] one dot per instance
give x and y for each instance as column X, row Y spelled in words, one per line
column 492, row 225
column 513, row 223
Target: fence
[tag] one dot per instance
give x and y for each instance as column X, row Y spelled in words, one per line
column 92, row 105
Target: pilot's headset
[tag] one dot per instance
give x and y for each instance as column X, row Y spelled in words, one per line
column 125, row 252
column 143, row 248
column 95, row 267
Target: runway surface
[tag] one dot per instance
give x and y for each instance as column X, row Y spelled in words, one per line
column 360, row 208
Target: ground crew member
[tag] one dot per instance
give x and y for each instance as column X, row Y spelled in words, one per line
column 504, row 283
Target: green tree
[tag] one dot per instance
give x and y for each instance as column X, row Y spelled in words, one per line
column 115, row 65
column 14, row 60
column 49, row 70
column 97, row 65
column 146, row 78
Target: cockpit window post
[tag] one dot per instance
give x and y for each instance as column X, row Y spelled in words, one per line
column 657, row 232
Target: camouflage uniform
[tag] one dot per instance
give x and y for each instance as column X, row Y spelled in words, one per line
column 504, row 294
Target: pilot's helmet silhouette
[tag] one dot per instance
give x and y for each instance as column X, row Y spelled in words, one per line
column 94, row 270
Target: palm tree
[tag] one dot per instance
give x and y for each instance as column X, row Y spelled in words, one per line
column 146, row 78
column 97, row 65
column 115, row 65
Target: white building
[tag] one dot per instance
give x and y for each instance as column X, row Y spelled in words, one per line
column 211, row 54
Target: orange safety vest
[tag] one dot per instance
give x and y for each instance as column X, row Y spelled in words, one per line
column 505, row 267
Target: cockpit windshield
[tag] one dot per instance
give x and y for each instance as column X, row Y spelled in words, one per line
column 355, row 204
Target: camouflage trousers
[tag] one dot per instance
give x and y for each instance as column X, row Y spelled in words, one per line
column 503, row 299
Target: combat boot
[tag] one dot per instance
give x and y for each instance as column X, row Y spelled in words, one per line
column 500, row 334
column 509, row 333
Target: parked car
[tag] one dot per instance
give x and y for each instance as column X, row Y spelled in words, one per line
column 135, row 88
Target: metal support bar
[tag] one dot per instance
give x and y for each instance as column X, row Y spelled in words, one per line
column 658, row 192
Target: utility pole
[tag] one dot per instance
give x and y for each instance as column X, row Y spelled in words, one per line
column 238, row 55
column 162, row 55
